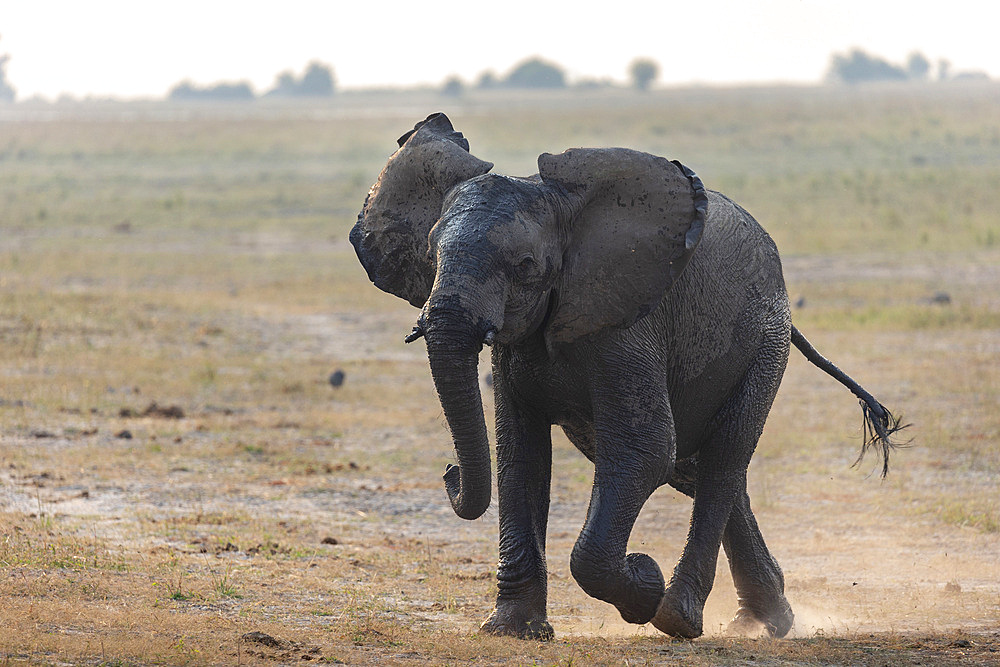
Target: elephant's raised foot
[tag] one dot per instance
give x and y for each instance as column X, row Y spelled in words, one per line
column 509, row 625
column 678, row 616
column 747, row 623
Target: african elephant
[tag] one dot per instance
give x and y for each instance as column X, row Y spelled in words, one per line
column 624, row 302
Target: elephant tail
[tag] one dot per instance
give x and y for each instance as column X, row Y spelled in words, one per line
column 879, row 424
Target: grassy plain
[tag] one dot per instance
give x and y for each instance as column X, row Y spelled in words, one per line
column 196, row 258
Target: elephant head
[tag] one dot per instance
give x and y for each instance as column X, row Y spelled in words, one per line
column 591, row 242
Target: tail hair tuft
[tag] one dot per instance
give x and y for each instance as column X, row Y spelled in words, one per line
column 878, row 427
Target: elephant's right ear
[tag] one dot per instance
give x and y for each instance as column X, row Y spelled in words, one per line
column 390, row 236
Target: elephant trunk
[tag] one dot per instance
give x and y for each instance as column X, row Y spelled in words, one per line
column 454, row 362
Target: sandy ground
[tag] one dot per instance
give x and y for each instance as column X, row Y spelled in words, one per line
column 860, row 555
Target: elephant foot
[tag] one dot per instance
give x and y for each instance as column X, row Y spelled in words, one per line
column 678, row 615
column 776, row 623
column 507, row 624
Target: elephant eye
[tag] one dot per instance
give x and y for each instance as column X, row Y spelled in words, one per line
column 525, row 266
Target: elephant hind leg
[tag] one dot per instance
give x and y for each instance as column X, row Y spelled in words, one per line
column 760, row 585
column 680, row 611
column 722, row 510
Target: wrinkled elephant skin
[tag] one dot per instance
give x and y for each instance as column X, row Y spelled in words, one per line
column 643, row 314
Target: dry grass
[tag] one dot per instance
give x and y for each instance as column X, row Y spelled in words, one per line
column 201, row 263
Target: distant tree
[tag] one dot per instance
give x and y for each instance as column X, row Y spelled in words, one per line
column 453, row 87
column 859, row 67
column 943, row 70
column 285, row 85
column 487, row 80
column 643, row 72
column 7, row 92
column 917, row 66
column 186, row 90
column 535, row 73
column 316, row 81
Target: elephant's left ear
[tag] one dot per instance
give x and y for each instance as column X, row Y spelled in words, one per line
column 636, row 220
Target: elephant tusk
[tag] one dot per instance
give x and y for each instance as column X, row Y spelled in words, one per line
column 417, row 333
column 490, row 336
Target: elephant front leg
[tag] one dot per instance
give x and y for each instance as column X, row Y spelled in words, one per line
column 631, row 582
column 524, row 463
column 634, row 449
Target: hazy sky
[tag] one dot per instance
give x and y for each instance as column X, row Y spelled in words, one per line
column 133, row 48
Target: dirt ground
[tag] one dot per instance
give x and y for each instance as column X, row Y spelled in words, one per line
column 181, row 483
column 320, row 531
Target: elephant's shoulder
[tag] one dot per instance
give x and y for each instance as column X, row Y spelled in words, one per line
column 731, row 228
column 722, row 210
column 736, row 256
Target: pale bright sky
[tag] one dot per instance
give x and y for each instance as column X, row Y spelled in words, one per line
column 142, row 48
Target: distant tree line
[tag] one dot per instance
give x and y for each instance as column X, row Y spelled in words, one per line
column 861, row 67
column 536, row 73
column 219, row 91
column 317, row 81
